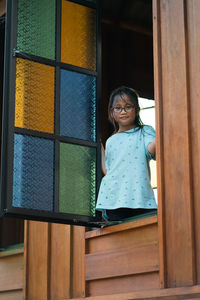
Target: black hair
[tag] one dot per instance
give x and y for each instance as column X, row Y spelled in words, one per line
column 133, row 96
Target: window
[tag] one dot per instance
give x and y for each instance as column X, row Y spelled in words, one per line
column 50, row 166
column 51, row 144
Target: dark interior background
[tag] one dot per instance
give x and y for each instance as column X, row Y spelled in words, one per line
column 127, row 51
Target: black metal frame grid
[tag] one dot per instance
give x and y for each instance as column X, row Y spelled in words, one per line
column 8, row 120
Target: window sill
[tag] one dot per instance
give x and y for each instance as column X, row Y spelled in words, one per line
column 12, row 250
column 123, row 226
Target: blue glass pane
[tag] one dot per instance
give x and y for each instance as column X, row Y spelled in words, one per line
column 78, row 105
column 33, row 179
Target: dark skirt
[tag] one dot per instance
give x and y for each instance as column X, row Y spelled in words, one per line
column 124, row 213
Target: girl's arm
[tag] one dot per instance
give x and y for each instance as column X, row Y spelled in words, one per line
column 103, row 167
column 152, row 147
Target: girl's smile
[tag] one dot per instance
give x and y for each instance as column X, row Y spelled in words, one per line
column 123, row 111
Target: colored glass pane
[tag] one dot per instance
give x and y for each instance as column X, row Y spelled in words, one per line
column 78, row 105
column 78, row 35
column 77, row 188
column 33, row 173
column 36, row 27
column 34, row 96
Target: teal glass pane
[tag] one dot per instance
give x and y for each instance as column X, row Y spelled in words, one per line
column 36, row 27
column 78, row 105
column 77, row 183
column 33, row 173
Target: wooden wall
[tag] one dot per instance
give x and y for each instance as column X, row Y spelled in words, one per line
column 12, row 274
column 64, row 262
column 54, row 261
column 56, row 266
column 122, row 258
column 177, row 90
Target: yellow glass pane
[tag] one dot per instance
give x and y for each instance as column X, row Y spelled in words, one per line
column 78, row 35
column 34, row 96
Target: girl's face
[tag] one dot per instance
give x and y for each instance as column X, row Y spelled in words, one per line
column 124, row 112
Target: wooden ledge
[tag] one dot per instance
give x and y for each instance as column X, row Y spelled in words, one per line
column 120, row 227
column 158, row 294
column 11, row 252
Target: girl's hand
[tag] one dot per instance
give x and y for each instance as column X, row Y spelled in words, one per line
column 152, row 147
column 103, row 167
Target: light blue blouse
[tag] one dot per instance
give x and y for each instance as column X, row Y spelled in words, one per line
column 127, row 182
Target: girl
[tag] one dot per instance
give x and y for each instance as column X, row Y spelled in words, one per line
column 125, row 189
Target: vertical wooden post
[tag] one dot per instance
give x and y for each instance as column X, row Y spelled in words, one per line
column 193, row 28
column 37, row 254
column 54, row 261
column 175, row 190
column 60, row 283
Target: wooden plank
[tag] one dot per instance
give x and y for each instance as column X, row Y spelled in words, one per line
column 121, row 239
column 151, row 293
column 132, row 260
column 78, row 261
column 12, row 252
column 13, row 295
column 121, row 227
column 60, row 285
column 177, row 200
column 193, row 25
column 159, row 136
column 124, row 284
column 37, row 260
column 11, row 272
column 26, row 235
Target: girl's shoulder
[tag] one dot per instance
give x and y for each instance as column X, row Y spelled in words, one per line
column 148, row 129
column 112, row 138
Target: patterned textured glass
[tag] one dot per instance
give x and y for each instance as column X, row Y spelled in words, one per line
column 77, row 188
column 34, row 97
column 33, row 174
column 78, row 35
column 78, row 105
column 36, row 27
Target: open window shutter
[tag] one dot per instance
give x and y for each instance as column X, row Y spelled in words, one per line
column 50, row 153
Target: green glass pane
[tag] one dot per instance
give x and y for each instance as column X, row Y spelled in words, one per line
column 77, row 184
column 36, row 27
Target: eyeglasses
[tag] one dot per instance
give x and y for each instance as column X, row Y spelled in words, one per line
column 127, row 108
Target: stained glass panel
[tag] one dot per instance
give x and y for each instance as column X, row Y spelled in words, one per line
column 77, row 189
column 33, row 173
column 78, row 105
column 36, row 27
column 34, row 96
column 78, row 35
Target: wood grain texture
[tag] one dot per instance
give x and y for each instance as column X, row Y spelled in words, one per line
column 153, row 294
column 121, row 227
column 60, row 264
column 159, row 137
column 124, row 284
column 78, row 261
column 177, row 177
column 12, row 272
column 193, row 36
column 121, row 262
column 37, row 260
column 131, row 237
column 13, row 295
